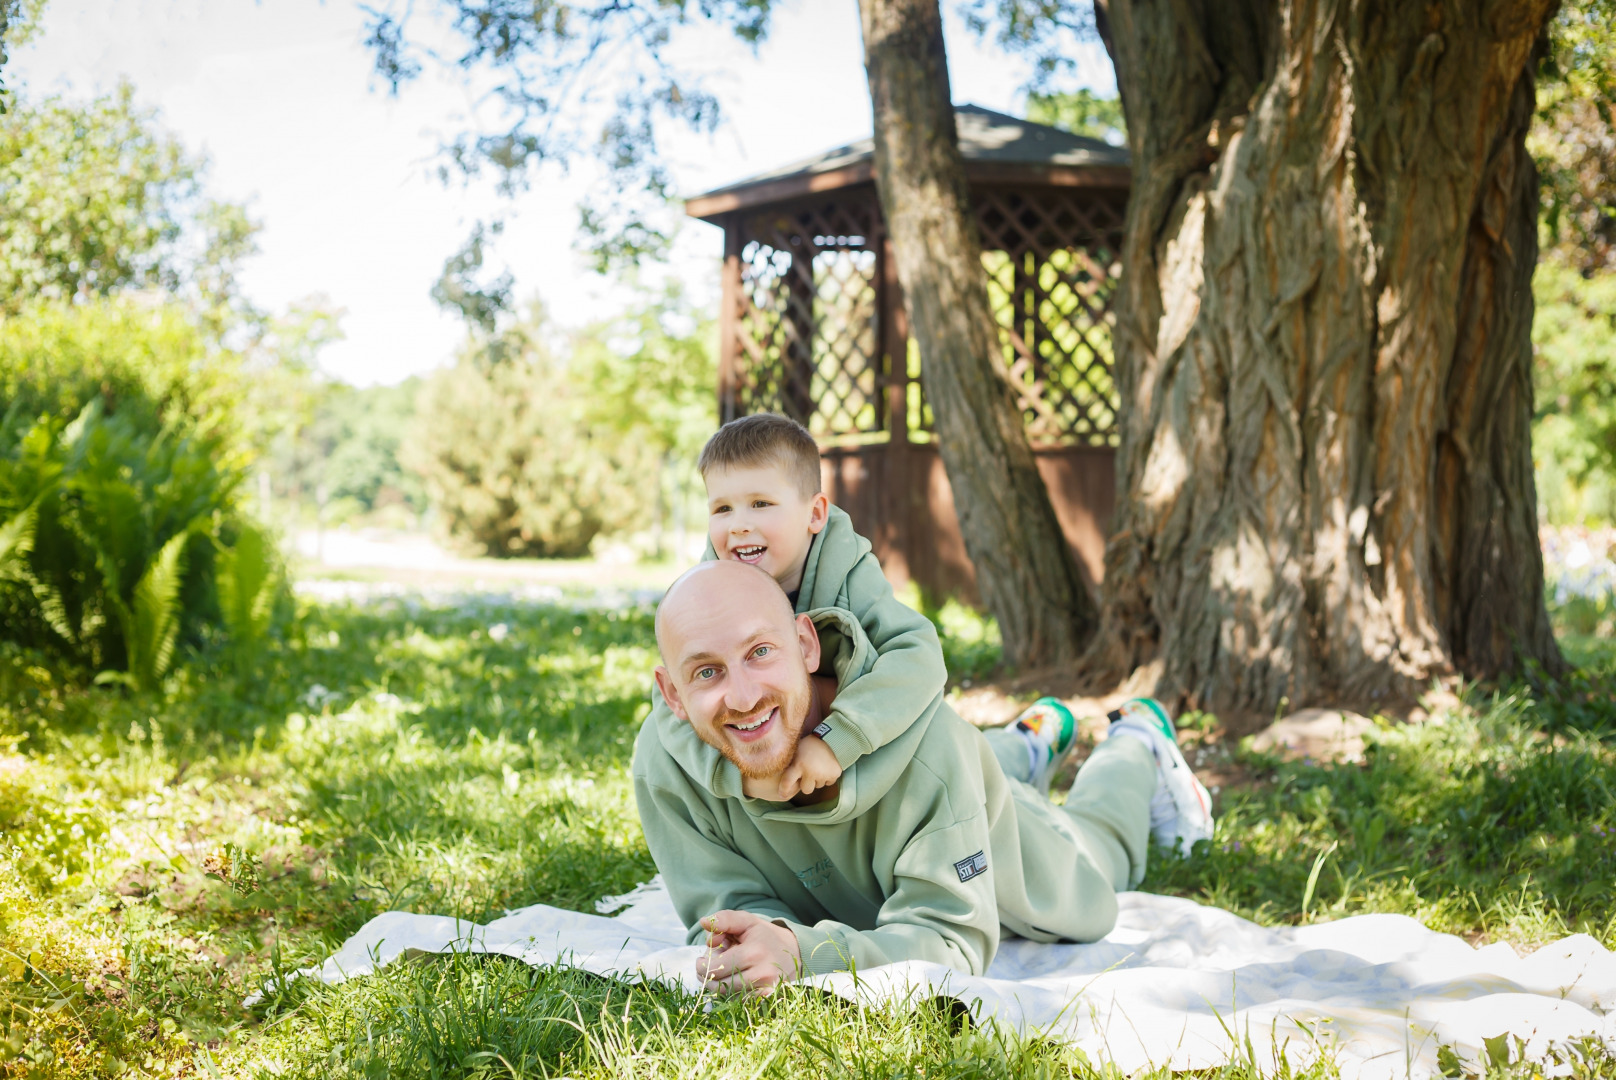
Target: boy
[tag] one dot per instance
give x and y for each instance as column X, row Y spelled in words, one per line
column 766, row 508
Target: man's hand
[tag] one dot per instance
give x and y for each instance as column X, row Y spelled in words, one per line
column 746, row 952
column 814, row 767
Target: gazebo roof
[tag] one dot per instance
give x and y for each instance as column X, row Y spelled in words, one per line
column 997, row 149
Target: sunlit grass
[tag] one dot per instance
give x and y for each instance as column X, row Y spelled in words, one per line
column 465, row 759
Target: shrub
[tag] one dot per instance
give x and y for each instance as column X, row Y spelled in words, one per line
column 118, row 479
column 512, row 460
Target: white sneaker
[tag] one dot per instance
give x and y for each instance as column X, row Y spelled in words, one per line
column 1181, row 809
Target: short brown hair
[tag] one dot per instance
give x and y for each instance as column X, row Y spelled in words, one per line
column 765, row 439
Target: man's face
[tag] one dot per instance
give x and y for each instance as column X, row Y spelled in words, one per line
column 735, row 666
column 760, row 517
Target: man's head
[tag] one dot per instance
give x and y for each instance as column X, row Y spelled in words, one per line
column 735, row 664
column 764, row 502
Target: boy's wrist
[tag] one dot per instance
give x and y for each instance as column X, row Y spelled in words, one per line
column 840, row 740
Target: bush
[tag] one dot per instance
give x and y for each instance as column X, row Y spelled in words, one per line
column 118, row 481
column 512, row 460
column 1574, row 434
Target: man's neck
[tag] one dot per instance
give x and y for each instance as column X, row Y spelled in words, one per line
column 822, row 691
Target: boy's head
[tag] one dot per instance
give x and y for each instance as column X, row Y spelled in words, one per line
column 764, row 503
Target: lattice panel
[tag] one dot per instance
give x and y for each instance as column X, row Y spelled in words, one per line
column 1052, row 264
column 808, row 322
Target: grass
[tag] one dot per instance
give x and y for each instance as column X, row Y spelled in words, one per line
column 463, row 758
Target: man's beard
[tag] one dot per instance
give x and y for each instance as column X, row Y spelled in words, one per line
column 793, row 712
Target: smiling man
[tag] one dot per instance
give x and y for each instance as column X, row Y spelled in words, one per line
column 929, row 848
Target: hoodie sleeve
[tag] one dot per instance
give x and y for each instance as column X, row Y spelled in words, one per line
column 905, row 680
column 712, row 876
column 701, row 762
column 943, row 910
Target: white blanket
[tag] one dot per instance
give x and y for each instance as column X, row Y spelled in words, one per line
column 1173, row 984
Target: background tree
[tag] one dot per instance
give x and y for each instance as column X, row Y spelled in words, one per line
column 1574, row 142
column 1026, row 573
column 514, row 455
column 95, row 198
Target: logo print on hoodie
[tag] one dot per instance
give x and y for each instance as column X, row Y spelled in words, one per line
column 975, row 866
column 816, row 875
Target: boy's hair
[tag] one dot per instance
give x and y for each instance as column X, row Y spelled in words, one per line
column 765, row 439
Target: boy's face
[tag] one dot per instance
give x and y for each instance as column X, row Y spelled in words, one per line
column 758, row 516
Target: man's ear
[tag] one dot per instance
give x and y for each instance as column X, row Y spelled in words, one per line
column 670, row 693
column 808, row 639
column 818, row 513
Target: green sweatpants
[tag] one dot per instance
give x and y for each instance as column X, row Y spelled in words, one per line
column 1108, row 806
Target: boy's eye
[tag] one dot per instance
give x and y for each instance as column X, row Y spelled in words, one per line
column 759, row 504
column 722, row 508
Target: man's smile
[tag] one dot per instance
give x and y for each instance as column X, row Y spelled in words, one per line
column 755, row 728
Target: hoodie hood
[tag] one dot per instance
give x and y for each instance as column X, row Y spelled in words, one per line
column 865, row 782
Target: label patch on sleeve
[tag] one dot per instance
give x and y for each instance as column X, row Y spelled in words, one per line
column 823, row 729
column 972, row 867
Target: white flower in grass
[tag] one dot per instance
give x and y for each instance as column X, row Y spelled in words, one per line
column 498, row 631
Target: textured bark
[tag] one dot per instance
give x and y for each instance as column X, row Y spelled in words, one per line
column 1024, row 569
column 1324, row 354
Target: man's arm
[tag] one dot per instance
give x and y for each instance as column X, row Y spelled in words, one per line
column 907, row 676
column 703, row 873
column 943, row 910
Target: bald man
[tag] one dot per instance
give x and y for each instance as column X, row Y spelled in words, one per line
column 928, row 848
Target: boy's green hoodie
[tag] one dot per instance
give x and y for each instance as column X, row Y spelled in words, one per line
column 841, row 572
column 926, row 852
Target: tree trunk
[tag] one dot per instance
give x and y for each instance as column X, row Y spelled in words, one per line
column 1323, row 350
column 1024, row 568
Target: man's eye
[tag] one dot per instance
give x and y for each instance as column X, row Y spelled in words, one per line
column 761, row 651
column 706, row 673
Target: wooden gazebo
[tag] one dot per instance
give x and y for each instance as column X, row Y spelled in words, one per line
column 812, row 325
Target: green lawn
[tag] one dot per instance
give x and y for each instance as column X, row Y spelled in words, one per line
column 463, row 760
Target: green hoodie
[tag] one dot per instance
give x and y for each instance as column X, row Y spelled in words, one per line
column 927, row 851
column 841, row 572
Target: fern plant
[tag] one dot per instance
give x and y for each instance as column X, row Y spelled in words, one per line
column 249, row 582
column 110, row 537
column 150, row 619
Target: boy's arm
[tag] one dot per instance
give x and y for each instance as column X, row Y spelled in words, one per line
column 907, row 676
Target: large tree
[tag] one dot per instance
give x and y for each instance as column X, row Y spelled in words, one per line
column 1323, row 349
column 1024, row 568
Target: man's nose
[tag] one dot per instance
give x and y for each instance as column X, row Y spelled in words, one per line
column 741, row 691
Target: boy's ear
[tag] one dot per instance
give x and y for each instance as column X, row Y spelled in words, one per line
column 670, row 693
column 808, row 639
column 818, row 513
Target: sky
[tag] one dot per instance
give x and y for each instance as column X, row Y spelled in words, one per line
column 281, row 96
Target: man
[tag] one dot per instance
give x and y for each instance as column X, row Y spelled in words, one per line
column 925, row 849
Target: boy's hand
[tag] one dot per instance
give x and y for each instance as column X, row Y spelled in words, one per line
column 746, row 953
column 813, row 768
